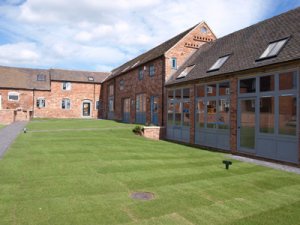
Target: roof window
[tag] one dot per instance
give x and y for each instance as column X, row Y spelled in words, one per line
column 186, row 71
column 273, row 49
column 220, row 62
column 91, row 78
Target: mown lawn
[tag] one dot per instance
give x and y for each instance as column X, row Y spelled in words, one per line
column 59, row 174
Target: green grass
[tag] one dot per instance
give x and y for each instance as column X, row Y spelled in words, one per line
column 84, row 177
column 1, row 126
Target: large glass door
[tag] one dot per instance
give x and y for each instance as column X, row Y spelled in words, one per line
column 154, row 110
column 247, row 125
column 126, row 110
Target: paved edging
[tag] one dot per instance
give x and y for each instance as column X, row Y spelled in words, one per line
column 267, row 164
column 8, row 135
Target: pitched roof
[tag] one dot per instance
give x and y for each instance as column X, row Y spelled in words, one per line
column 245, row 47
column 25, row 78
column 153, row 53
column 22, row 78
column 78, row 76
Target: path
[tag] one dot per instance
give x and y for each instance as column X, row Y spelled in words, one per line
column 8, row 134
column 267, row 164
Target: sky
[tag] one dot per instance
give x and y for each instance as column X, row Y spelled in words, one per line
column 99, row 35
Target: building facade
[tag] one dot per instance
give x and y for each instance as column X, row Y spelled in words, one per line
column 29, row 93
column 244, row 97
column 134, row 92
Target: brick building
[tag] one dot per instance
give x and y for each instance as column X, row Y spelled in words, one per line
column 134, row 92
column 241, row 93
column 27, row 93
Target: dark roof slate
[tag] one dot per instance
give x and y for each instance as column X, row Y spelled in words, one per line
column 22, row 78
column 245, row 47
column 77, row 76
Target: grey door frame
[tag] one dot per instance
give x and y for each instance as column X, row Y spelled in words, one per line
column 239, row 148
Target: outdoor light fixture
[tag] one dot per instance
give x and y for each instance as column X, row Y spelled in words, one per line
column 227, row 164
column 25, row 130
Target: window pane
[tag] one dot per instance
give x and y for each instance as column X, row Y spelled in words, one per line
column 178, row 94
column 224, row 114
column 170, row 95
column 186, row 114
column 247, row 85
column 266, row 115
column 170, row 112
column 200, row 91
column 177, row 114
column 111, row 105
column 211, row 90
column 186, row 93
column 287, row 81
column 200, row 114
column 224, row 88
column 287, row 115
column 211, row 114
column 267, row 83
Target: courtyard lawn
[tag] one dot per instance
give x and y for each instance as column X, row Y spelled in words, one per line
column 82, row 172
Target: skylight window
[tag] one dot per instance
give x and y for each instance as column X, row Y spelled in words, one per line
column 125, row 69
column 273, row 49
column 91, row 78
column 135, row 64
column 220, row 62
column 185, row 72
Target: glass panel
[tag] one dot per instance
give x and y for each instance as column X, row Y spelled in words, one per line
column 224, row 114
column 155, row 105
column 111, row 105
column 143, row 103
column 211, row 114
column 211, row 90
column 267, row 83
column 224, row 88
column 178, row 111
column 111, row 90
column 186, row 93
column 247, row 123
column 266, row 116
column 186, row 114
column 170, row 112
column 126, row 106
column 268, row 50
column 200, row 91
column 287, row 81
column 288, row 115
column 247, row 85
column 178, row 94
column 170, row 95
column 200, row 114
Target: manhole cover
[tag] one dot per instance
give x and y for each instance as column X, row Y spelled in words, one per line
column 142, row 195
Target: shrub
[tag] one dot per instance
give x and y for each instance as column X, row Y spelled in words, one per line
column 138, row 130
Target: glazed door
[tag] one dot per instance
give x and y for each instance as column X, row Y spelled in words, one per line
column 86, row 109
column 0, row 102
column 154, row 110
column 126, row 110
column 247, row 125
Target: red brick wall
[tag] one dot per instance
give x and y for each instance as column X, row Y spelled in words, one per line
column 151, row 86
column 25, row 99
column 185, row 47
column 7, row 116
column 78, row 93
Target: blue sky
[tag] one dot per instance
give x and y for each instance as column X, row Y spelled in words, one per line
column 100, row 35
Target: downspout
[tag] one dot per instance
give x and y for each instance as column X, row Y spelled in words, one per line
column 163, row 90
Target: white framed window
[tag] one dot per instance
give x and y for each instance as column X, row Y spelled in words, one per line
column 13, row 96
column 174, row 63
column 185, row 72
column 209, row 89
column 65, row 103
column 41, row 103
column 66, row 86
column 41, row 77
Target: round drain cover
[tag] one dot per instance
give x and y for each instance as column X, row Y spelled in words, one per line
column 142, row 195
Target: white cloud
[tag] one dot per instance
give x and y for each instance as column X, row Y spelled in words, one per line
column 95, row 34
